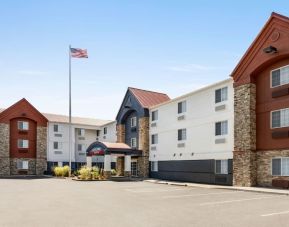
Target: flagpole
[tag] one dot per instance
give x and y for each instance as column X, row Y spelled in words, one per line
column 70, row 140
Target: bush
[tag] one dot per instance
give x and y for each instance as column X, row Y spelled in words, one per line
column 87, row 173
column 61, row 171
column 113, row 172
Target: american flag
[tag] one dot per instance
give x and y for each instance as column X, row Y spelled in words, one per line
column 78, row 53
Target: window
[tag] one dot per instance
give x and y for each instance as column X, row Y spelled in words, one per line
column 182, row 107
column 221, row 94
column 97, row 133
column 133, row 122
column 280, row 166
column 155, row 139
column 57, row 145
column 81, row 132
column 105, row 130
column 133, row 142
column 221, row 167
column 280, row 76
column 221, row 128
column 155, row 115
column 80, row 147
column 182, row 134
column 23, row 165
column 56, row 128
column 23, row 125
column 23, row 143
column 280, row 118
column 154, row 166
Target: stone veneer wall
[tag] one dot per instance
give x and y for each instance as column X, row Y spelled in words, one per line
column 31, row 166
column 41, row 150
column 143, row 162
column 244, row 155
column 4, row 149
column 264, row 166
column 120, row 166
column 120, row 133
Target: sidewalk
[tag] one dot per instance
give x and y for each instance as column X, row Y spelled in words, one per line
column 249, row 189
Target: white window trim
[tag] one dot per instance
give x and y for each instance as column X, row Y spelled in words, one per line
column 280, row 75
column 221, row 166
column 222, row 135
column 133, row 119
column 22, row 122
column 222, row 101
column 157, row 111
column 271, row 125
column 131, row 143
column 155, row 134
column 280, row 167
column 22, row 144
column 182, row 113
column 80, row 134
column 58, row 128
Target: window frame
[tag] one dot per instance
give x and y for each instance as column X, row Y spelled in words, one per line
column 59, row 145
column 133, row 120
column 182, row 139
column 281, row 167
column 22, row 147
column 131, row 142
column 271, row 118
column 183, row 106
column 221, row 128
column 222, row 96
column 155, row 115
column 221, row 161
column 154, row 139
column 104, row 130
column 23, row 123
column 81, row 132
column 271, row 74
column 56, row 125
column 22, row 161
column 154, row 166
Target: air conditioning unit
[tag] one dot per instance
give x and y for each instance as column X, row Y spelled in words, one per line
column 181, row 145
column 221, row 140
column 153, row 148
column 154, row 124
column 221, row 107
column 182, row 117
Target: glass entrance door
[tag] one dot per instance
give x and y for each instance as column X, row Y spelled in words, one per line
column 134, row 169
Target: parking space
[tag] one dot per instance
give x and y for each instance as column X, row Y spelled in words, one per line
column 55, row 202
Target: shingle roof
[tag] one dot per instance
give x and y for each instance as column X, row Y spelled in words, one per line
column 76, row 120
column 148, row 98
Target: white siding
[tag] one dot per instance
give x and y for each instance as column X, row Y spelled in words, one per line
column 111, row 133
column 199, row 121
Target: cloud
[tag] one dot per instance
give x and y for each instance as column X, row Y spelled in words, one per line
column 31, row 72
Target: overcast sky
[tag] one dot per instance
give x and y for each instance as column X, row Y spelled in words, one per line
column 171, row 46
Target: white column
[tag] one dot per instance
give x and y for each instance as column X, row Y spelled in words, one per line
column 127, row 163
column 89, row 161
column 107, row 162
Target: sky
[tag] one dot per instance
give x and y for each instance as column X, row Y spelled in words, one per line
column 169, row 46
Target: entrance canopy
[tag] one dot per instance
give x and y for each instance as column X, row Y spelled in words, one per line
column 106, row 148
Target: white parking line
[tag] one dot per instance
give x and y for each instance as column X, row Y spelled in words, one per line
column 196, row 195
column 238, row 200
column 153, row 190
column 272, row 214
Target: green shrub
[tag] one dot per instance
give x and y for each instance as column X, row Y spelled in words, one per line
column 87, row 173
column 113, row 172
column 61, row 171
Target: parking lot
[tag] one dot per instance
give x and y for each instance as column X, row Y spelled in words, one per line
column 60, row 202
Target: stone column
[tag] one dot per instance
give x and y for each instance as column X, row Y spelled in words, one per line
column 4, row 149
column 41, row 150
column 127, row 166
column 119, row 166
column 143, row 144
column 89, row 161
column 244, row 155
column 120, row 133
column 107, row 166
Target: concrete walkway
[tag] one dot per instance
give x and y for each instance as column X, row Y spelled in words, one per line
column 249, row 189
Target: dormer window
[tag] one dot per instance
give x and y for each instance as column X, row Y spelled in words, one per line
column 23, row 125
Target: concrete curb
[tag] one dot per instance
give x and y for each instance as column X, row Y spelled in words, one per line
column 208, row 186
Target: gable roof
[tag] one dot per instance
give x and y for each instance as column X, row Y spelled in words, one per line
column 75, row 120
column 23, row 108
column 274, row 32
column 148, row 98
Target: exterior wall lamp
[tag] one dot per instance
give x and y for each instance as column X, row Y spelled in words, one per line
column 270, row 50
